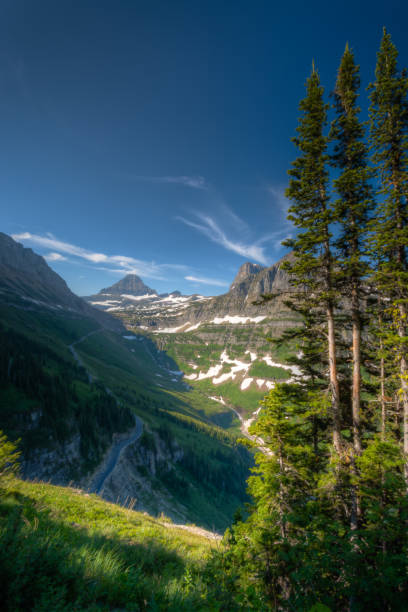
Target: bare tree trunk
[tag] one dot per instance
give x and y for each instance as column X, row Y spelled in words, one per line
column 382, row 391
column 281, row 497
column 401, row 326
column 404, row 387
column 334, row 382
column 333, row 373
column 356, row 389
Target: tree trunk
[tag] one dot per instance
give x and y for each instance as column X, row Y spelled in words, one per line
column 356, row 389
column 334, row 383
column 404, row 387
column 382, row 391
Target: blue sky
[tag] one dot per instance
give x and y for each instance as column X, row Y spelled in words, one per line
column 154, row 137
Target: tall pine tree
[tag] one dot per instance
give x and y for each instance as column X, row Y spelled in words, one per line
column 389, row 143
column 353, row 209
column 313, row 268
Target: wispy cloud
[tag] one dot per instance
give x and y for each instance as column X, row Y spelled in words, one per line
column 120, row 264
column 196, row 182
column 55, row 257
column 207, row 226
column 207, row 281
column 279, row 199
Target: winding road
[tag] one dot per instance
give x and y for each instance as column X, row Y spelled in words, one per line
column 117, row 448
column 77, row 357
column 113, row 458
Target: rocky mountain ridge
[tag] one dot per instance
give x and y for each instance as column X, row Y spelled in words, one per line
column 170, row 311
column 26, row 277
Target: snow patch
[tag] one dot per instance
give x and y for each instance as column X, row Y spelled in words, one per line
column 137, row 298
column 237, row 319
column 217, row 399
column 246, row 383
column 106, row 303
column 192, row 327
column 213, row 371
column 292, row 368
column 223, row 378
column 169, row 330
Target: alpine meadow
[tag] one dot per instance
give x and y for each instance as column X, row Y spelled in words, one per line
column 243, row 451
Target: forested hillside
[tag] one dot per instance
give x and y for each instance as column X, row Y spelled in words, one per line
column 47, row 402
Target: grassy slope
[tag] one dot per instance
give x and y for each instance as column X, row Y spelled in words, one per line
column 63, row 550
column 203, row 348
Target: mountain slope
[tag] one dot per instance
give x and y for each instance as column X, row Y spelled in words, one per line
column 26, row 279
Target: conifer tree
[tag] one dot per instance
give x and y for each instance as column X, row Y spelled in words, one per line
column 352, row 209
column 313, row 269
column 389, row 144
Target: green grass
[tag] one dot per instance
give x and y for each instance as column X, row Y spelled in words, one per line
column 262, row 370
column 61, row 549
column 245, row 402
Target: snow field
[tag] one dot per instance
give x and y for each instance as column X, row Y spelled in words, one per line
column 239, row 367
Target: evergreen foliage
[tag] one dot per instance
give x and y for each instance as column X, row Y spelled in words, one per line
column 327, row 524
column 9, row 456
column 389, row 144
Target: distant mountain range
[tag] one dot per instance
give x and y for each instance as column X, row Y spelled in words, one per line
column 130, row 297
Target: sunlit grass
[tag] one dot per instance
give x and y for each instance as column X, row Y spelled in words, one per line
column 61, row 549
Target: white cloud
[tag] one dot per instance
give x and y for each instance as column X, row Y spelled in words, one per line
column 279, row 198
column 207, row 281
column 196, row 182
column 209, row 228
column 120, row 264
column 55, row 257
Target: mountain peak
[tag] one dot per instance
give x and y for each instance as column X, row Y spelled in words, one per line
column 131, row 284
column 247, row 270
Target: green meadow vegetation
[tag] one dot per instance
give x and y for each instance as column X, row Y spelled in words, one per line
column 61, row 549
column 263, row 370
